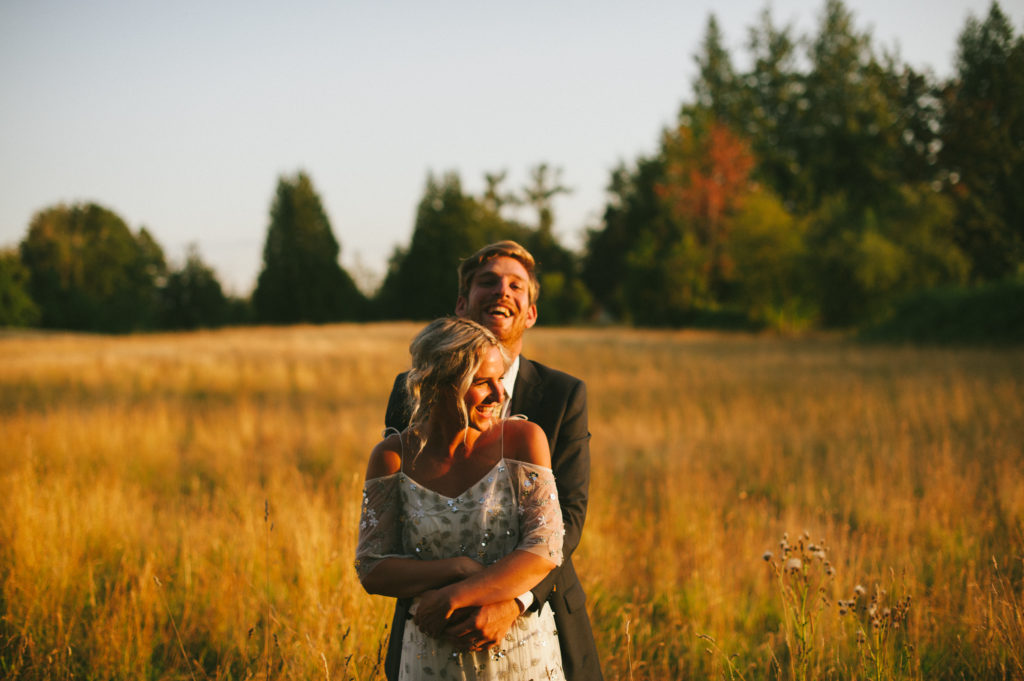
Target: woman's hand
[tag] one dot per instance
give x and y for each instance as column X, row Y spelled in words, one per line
column 433, row 610
column 436, row 606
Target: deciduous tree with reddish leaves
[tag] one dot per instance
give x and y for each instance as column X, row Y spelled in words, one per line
column 707, row 177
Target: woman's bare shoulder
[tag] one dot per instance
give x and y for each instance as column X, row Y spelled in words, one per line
column 525, row 441
column 386, row 458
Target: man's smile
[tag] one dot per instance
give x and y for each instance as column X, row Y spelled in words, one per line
column 499, row 311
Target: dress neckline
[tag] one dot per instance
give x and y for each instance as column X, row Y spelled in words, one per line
column 484, row 477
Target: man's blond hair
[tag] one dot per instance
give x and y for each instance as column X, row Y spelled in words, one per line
column 501, row 249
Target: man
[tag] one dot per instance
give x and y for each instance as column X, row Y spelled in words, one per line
column 498, row 288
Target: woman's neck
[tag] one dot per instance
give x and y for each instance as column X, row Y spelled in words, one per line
column 446, row 437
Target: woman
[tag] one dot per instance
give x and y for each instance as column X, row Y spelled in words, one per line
column 457, row 513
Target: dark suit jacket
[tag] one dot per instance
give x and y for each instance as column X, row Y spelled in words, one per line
column 557, row 402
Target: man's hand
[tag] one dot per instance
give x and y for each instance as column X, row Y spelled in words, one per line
column 481, row 628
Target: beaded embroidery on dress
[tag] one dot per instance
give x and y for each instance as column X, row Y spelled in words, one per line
column 514, row 506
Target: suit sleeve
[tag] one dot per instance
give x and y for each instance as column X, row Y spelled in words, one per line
column 397, row 413
column 570, row 462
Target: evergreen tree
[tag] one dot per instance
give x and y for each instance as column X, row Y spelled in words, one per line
column 877, row 229
column 917, row 103
column 850, row 136
column 301, row 279
column 422, row 280
column 983, row 145
column 772, row 99
column 716, row 88
column 89, row 272
column 632, row 214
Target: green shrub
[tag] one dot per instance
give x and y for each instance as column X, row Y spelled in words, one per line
column 991, row 313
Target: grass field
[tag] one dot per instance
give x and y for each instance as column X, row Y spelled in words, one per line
column 185, row 506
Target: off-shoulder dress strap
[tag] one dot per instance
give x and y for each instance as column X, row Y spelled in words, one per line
column 401, row 445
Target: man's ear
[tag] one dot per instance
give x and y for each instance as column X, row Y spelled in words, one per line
column 460, row 306
column 531, row 316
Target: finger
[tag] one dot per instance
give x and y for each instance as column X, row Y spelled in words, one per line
column 472, row 644
column 425, row 624
column 463, row 642
column 434, row 627
column 458, row 630
column 460, row 616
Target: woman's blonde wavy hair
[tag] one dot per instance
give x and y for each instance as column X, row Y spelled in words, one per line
column 446, row 355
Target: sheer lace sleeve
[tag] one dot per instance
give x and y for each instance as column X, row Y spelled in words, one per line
column 540, row 518
column 380, row 529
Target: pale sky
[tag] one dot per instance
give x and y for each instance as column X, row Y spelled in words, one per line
column 181, row 116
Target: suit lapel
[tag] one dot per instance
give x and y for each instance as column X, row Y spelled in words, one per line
column 527, row 391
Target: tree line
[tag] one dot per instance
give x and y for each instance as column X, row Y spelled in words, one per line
column 823, row 185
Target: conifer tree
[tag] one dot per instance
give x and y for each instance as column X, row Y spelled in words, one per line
column 983, row 145
column 301, row 279
column 422, row 282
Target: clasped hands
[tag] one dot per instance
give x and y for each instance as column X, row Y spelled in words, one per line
column 466, row 628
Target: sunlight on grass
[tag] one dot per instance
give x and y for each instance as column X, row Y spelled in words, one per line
column 185, row 505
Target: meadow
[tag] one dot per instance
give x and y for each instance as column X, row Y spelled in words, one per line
column 185, row 506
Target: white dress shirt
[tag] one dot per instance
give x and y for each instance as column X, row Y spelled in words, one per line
column 509, row 381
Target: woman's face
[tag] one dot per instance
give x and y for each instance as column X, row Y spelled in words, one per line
column 486, row 393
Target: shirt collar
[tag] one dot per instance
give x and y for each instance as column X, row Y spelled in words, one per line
column 509, row 381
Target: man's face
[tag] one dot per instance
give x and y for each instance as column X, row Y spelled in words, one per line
column 499, row 299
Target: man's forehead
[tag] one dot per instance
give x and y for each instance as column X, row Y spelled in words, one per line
column 503, row 266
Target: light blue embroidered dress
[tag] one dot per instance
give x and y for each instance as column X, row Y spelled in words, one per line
column 514, row 506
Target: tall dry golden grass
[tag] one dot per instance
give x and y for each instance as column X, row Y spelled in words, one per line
column 185, row 506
